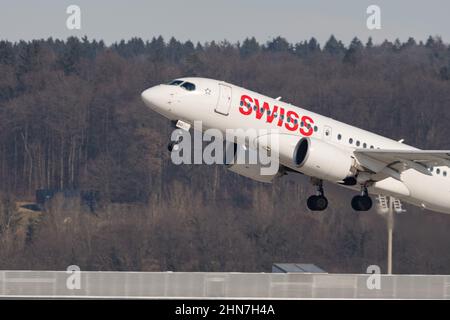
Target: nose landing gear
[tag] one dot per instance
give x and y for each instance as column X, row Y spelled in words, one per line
column 174, row 145
column 318, row 202
column 180, row 126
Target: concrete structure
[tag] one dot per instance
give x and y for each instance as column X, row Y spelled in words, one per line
column 154, row 285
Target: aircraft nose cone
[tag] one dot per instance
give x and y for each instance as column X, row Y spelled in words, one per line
column 152, row 97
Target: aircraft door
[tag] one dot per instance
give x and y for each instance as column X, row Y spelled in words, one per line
column 224, row 102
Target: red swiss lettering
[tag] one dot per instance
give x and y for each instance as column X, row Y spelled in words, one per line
column 244, row 109
column 260, row 112
column 292, row 125
column 308, row 122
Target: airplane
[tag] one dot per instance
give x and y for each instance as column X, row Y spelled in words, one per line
column 319, row 147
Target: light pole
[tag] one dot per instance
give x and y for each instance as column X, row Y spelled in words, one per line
column 387, row 206
column 390, row 225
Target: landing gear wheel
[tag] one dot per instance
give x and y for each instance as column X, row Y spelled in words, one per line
column 174, row 145
column 317, row 203
column 361, row 203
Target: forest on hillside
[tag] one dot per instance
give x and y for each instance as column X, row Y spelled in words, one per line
column 71, row 118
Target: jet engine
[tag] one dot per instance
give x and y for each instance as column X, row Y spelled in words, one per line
column 323, row 160
column 313, row 157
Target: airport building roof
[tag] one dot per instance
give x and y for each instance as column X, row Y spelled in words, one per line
column 296, row 268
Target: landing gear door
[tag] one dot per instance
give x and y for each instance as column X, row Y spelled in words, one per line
column 224, row 102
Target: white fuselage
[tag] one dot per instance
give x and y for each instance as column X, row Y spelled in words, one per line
column 223, row 106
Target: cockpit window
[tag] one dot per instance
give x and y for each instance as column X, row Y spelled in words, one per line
column 188, row 86
column 175, row 82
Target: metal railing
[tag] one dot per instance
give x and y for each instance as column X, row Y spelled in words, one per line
column 59, row 284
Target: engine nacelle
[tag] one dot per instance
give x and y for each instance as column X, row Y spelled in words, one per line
column 323, row 160
column 313, row 157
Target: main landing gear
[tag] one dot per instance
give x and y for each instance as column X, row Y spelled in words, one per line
column 362, row 202
column 318, row 202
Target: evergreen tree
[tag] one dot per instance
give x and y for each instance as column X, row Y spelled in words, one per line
column 249, row 47
column 301, row 49
column 334, row 47
column 6, row 53
column 174, row 50
column 354, row 52
column 278, row 44
column 410, row 43
column 313, row 46
column 157, row 49
column 71, row 55
column 188, row 48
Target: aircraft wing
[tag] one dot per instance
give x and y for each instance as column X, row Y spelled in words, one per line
column 419, row 160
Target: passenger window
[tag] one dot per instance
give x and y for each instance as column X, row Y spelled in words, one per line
column 188, row 86
column 438, row 171
column 339, row 136
column 350, row 141
column 445, row 173
column 365, row 145
column 358, row 143
column 317, row 129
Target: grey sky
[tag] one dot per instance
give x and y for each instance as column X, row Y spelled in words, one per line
column 203, row 20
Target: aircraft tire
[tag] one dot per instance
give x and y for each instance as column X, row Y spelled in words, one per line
column 317, row 203
column 361, row 203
